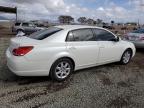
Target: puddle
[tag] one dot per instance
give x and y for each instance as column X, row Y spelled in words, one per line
column 124, row 84
column 104, row 79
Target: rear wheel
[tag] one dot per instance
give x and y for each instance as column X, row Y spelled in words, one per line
column 61, row 69
column 126, row 57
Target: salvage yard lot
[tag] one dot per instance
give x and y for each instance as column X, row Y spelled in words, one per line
column 108, row 86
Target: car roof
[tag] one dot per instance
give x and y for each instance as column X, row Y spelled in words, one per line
column 72, row 27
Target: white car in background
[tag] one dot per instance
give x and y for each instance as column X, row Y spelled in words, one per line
column 58, row 51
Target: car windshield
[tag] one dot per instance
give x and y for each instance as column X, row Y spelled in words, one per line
column 42, row 34
column 138, row 31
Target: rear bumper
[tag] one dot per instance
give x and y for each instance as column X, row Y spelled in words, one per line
column 21, row 67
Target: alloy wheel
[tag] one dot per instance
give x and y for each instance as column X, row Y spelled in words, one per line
column 126, row 57
column 62, row 70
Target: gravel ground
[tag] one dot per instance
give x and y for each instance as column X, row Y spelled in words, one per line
column 108, row 86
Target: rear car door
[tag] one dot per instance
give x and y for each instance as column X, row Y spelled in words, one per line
column 25, row 26
column 82, row 46
column 109, row 50
column 32, row 27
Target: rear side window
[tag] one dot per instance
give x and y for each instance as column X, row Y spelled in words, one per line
column 70, row 37
column 42, row 34
column 81, row 35
column 17, row 24
column 103, row 35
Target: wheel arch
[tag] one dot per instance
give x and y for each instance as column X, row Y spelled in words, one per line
column 67, row 57
column 73, row 62
column 128, row 49
column 52, row 73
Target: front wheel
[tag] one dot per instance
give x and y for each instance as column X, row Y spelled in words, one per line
column 126, row 57
column 61, row 69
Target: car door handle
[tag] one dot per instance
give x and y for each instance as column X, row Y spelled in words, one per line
column 102, row 47
column 72, row 48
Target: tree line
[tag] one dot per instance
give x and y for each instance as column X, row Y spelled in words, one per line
column 82, row 20
column 65, row 19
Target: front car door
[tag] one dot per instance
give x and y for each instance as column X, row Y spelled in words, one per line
column 109, row 50
column 82, row 46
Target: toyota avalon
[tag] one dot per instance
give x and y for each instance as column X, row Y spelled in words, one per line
column 60, row 50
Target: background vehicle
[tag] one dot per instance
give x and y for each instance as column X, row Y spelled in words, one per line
column 25, row 27
column 136, row 37
column 108, row 27
column 58, row 51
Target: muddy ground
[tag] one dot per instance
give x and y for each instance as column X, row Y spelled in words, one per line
column 108, row 86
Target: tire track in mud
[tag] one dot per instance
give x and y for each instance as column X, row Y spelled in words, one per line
column 39, row 105
column 120, row 102
column 16, row 91
column 31, row 92
column 29, row 96
column 20, row 90
column 104, row 79
column 124, row 84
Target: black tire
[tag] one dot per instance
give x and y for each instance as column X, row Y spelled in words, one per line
column 123, row 60
column 53, row 69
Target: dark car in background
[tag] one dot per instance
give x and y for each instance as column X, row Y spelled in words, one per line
column 108, row 27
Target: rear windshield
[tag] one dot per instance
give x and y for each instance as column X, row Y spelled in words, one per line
column 42, row 34
column 139, row 31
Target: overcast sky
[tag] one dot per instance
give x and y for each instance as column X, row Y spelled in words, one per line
column 117, row 10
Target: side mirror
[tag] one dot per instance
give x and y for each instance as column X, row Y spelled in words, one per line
column 115, row 39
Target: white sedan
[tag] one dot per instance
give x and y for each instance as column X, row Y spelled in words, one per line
column 58, row 51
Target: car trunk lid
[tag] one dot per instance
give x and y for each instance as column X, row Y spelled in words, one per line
column 21, row 41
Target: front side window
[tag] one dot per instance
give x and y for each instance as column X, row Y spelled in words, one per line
column 25, row 24
column 103, row 35
column 80, row 35
column 42, row 34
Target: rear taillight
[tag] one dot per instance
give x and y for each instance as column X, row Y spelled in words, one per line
column 21, row 51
